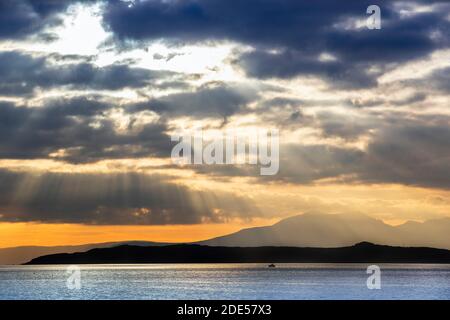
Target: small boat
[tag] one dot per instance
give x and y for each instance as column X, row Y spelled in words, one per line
column 271, row 265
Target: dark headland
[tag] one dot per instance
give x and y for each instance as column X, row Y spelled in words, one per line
column 363, row 252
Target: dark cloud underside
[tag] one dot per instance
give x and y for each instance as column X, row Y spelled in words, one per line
column 72, row 125
column 23, row 73
column 112, row 199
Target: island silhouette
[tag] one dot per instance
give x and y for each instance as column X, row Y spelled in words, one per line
column 363, row 252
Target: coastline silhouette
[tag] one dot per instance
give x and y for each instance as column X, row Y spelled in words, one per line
column 363, row 252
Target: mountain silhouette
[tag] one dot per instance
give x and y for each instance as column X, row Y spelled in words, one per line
column 306, row 230
column 337, row 230
column 189, row 253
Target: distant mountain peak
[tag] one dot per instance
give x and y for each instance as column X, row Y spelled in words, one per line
column 316, row 229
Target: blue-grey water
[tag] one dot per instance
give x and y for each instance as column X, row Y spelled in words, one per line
column 225, row 281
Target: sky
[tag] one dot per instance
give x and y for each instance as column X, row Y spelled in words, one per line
column 91, row 92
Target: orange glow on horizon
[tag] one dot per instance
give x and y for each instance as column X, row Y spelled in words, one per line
column 41, row 234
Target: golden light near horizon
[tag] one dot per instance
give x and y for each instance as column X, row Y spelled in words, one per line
column 42, row 234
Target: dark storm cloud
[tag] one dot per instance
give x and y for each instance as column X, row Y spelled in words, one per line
column 76, row 126
column 399, row 39
column 211, row 100
column 290, row 23
column 299, row 30
column 22, row 74
column 402, row 149
column 20, row 18
column 112, row 199
column 406, row 151
column 288, row 64
column 355, row 53
column 413, row 153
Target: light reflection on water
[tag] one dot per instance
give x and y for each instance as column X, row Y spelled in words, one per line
column 226, row 281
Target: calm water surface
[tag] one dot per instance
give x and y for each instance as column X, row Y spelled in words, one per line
column 226, row 281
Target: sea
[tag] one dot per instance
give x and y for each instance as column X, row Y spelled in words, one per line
column 225, row 281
